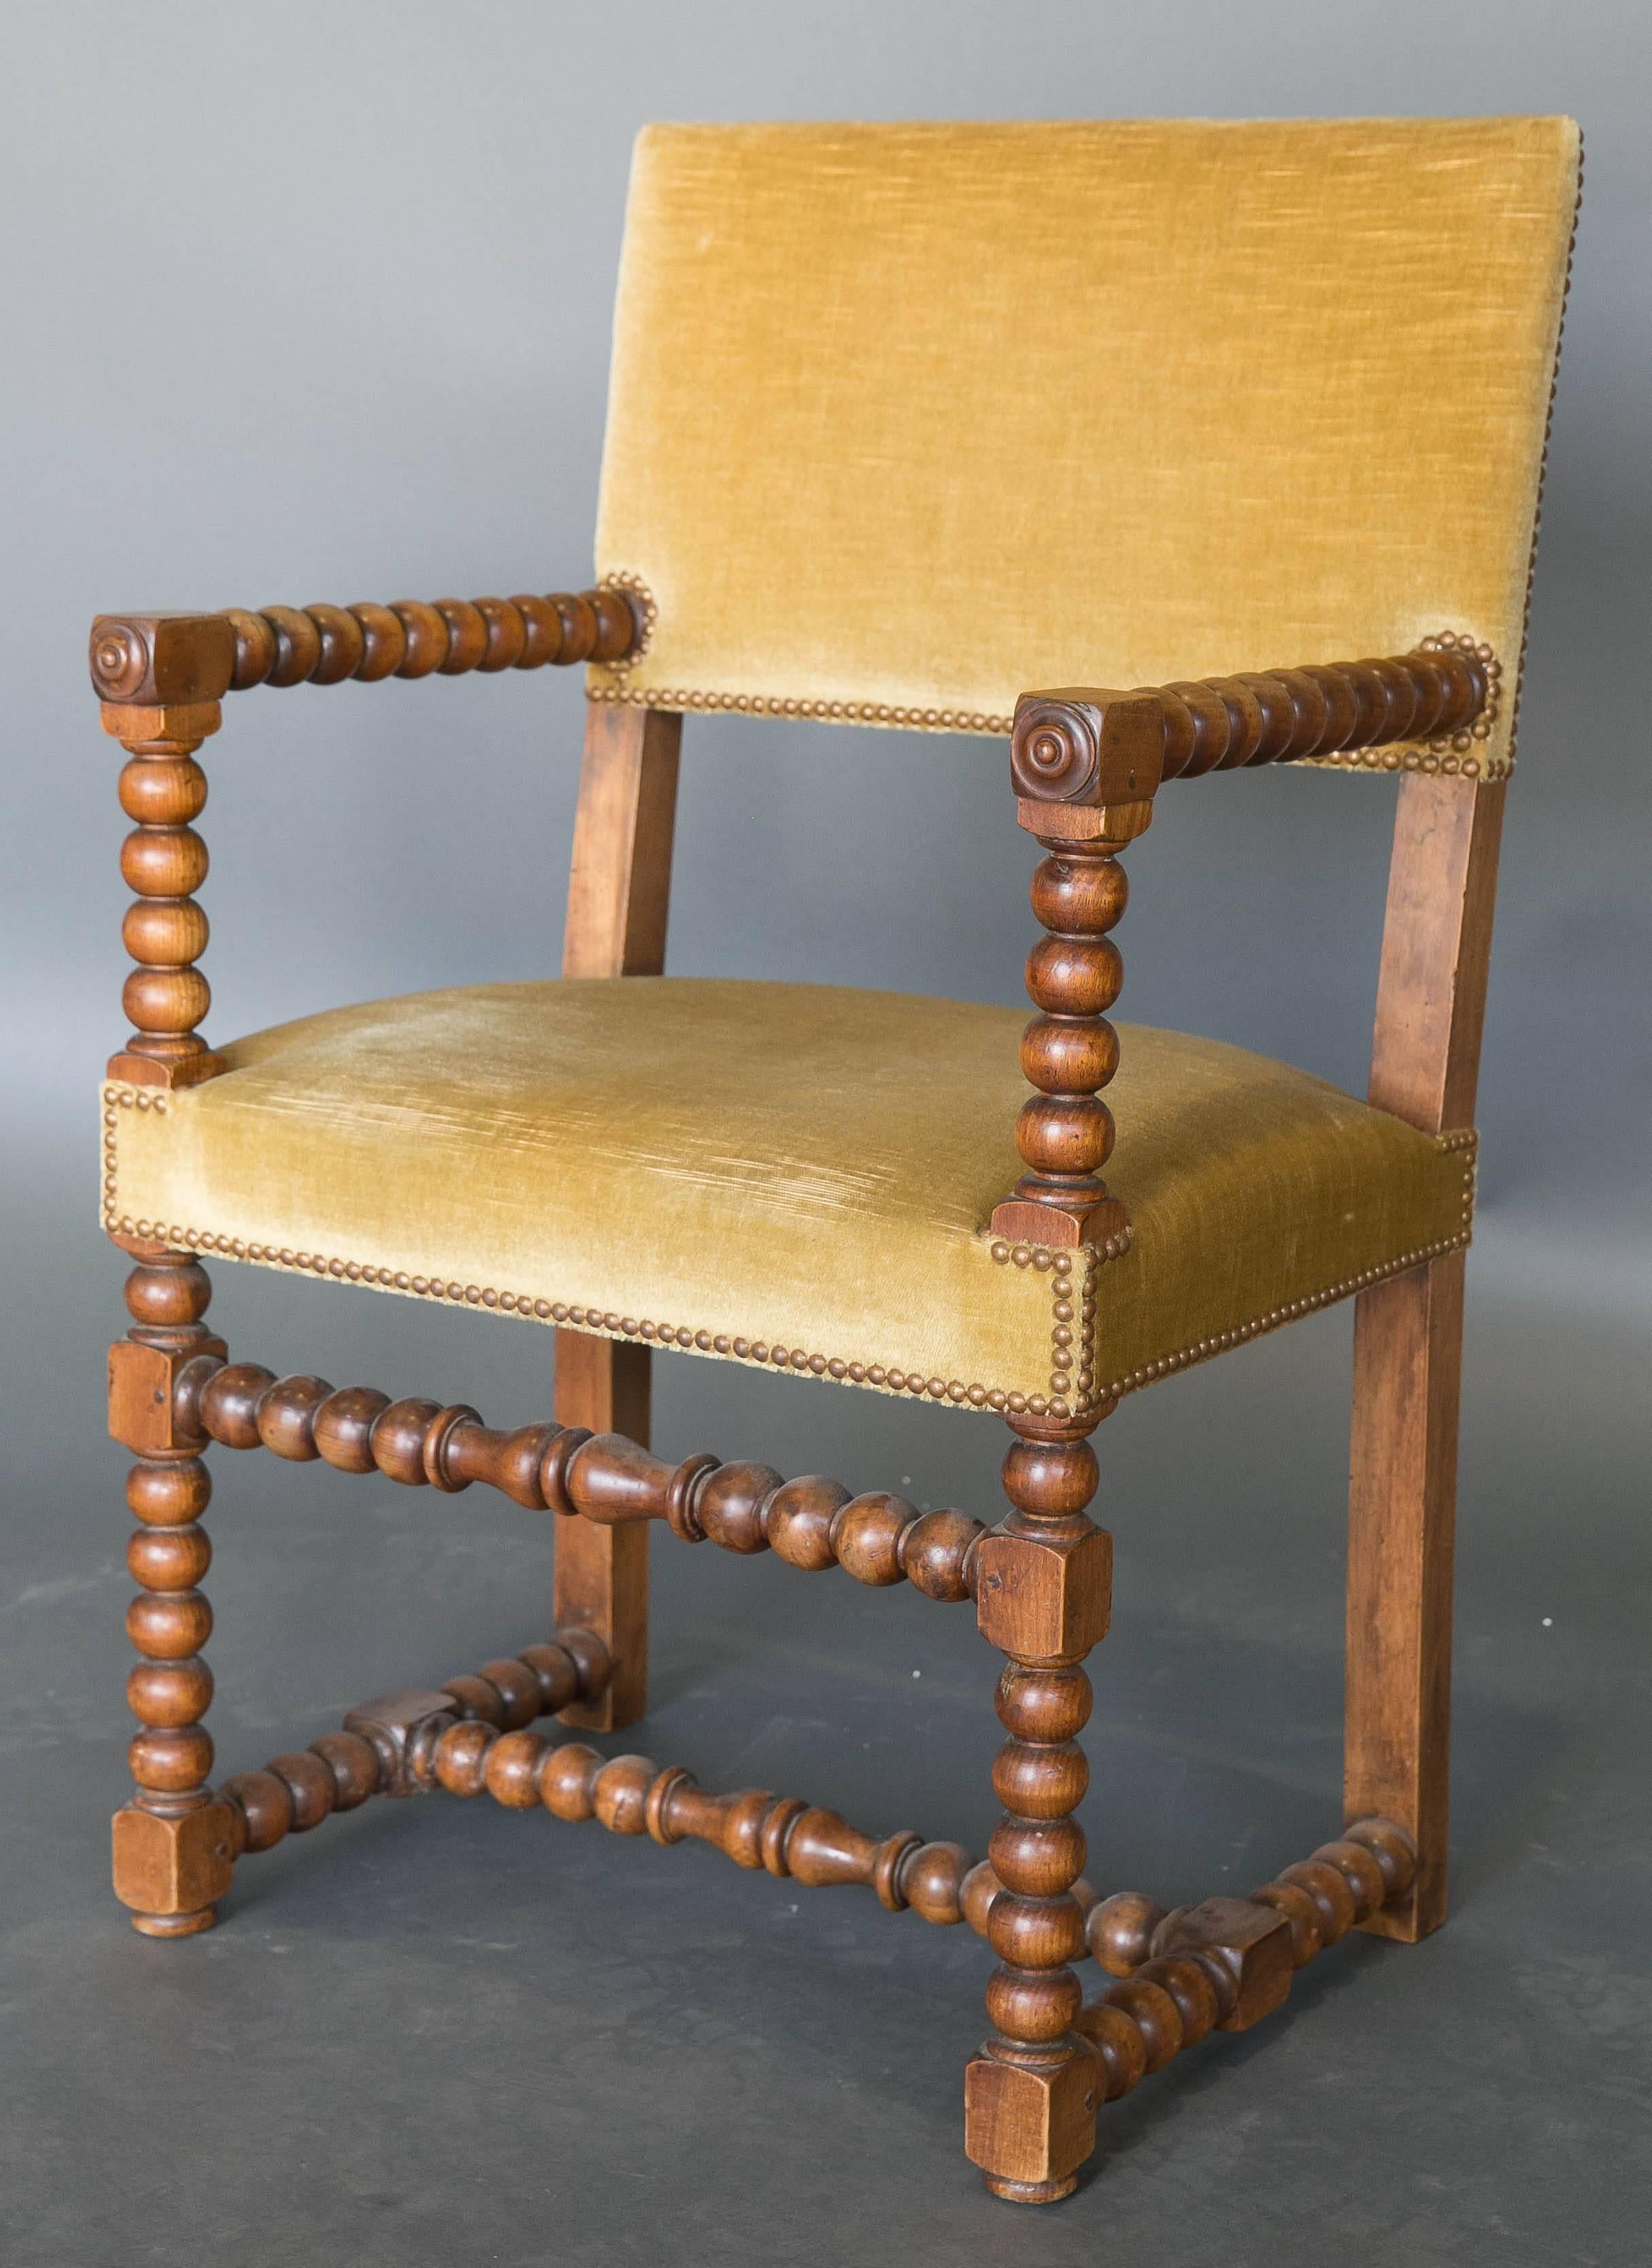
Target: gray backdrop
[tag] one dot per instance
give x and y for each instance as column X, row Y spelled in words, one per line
column 314, row 304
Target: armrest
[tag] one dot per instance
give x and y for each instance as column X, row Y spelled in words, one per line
column 153, row 660
column 1085, row 764
column 161, row 679
column 1081, row 758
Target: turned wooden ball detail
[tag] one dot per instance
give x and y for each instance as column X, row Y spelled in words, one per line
column 731, row 1504
column 169, row 1558
column 170, row 1760
column 1360, row 1868
column 286, row 1413
column 1037, row 1857
column 1079, row 896
column 165, row 930
column 229, row 1401
column 166, row 1297
column 511, row 1773
column 866, row 1538
column 265, row 1802
column 461, row 1757
column 1120, row 1930
column 342, row 1428
column 557, row 1675
column 620, row 1794
column 936, row 1554
column 169, row 1625
column 1033, row 2005
column 474, row 1698
column 342, row 640
column 1050, row 1480
column 167, row 790
column 932, row 1881
column 310, row 1786
column 168, row 1496
column 1035, row 1933
column 1050, row 1706
column 1069, row 1058
column 1040, row 1781
column 354, row 1765
column 1330, row 1893
column 1075, row 977
column 797, row 1520
column 565, row 1781
column 169, row 1692
column 1119, row 2048
column 517, row 1685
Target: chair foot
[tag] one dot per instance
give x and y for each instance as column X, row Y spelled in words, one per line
column 186, row 1924
column 1030, row 2126
column 1033, row 2192
column 172, row 1869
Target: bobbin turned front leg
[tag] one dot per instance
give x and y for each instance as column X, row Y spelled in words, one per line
column 1044, row 1588
column 172, row 1842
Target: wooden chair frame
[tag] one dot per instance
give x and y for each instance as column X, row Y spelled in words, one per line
column 1086, row 767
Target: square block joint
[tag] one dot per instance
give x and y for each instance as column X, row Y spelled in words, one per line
column 143, row 1387
column 1252, row 1943
column 1045, row 1598
column 400, row 1726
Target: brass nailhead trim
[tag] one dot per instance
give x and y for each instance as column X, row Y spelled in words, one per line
column 1543, row 460
column 836, row 712
column 1062, row 1340
column 1186, row 1357
column 883, row 1377
column 1466, row 1141
column 634, row 588
column 1451, row 757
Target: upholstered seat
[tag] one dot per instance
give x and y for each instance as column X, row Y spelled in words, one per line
column 796, row 1174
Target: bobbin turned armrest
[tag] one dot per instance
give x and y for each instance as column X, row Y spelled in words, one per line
column 160, row 680
column 1083, row 758
column 1085, row 764
column 151, row 660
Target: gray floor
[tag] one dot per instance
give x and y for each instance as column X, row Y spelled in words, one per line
column 442, row 2034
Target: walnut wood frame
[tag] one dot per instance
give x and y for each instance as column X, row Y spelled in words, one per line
column 1086, row 767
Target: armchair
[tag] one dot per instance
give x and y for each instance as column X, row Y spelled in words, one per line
column 950, row 478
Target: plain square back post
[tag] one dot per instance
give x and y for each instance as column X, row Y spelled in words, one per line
column 1408, row 1342
column 619, row 892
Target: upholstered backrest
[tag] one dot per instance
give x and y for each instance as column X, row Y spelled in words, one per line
column 906, row 420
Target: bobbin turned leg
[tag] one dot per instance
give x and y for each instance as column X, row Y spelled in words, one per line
column 1044, row 1589
column 172, row 1841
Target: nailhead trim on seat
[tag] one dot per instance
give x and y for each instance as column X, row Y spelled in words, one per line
column 885, row 1378
column 1061, row 1338
column 1464, row 1142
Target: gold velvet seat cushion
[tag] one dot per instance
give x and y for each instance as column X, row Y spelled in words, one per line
column 799, row 1175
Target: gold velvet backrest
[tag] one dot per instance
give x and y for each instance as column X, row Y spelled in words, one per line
column 906, row 420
